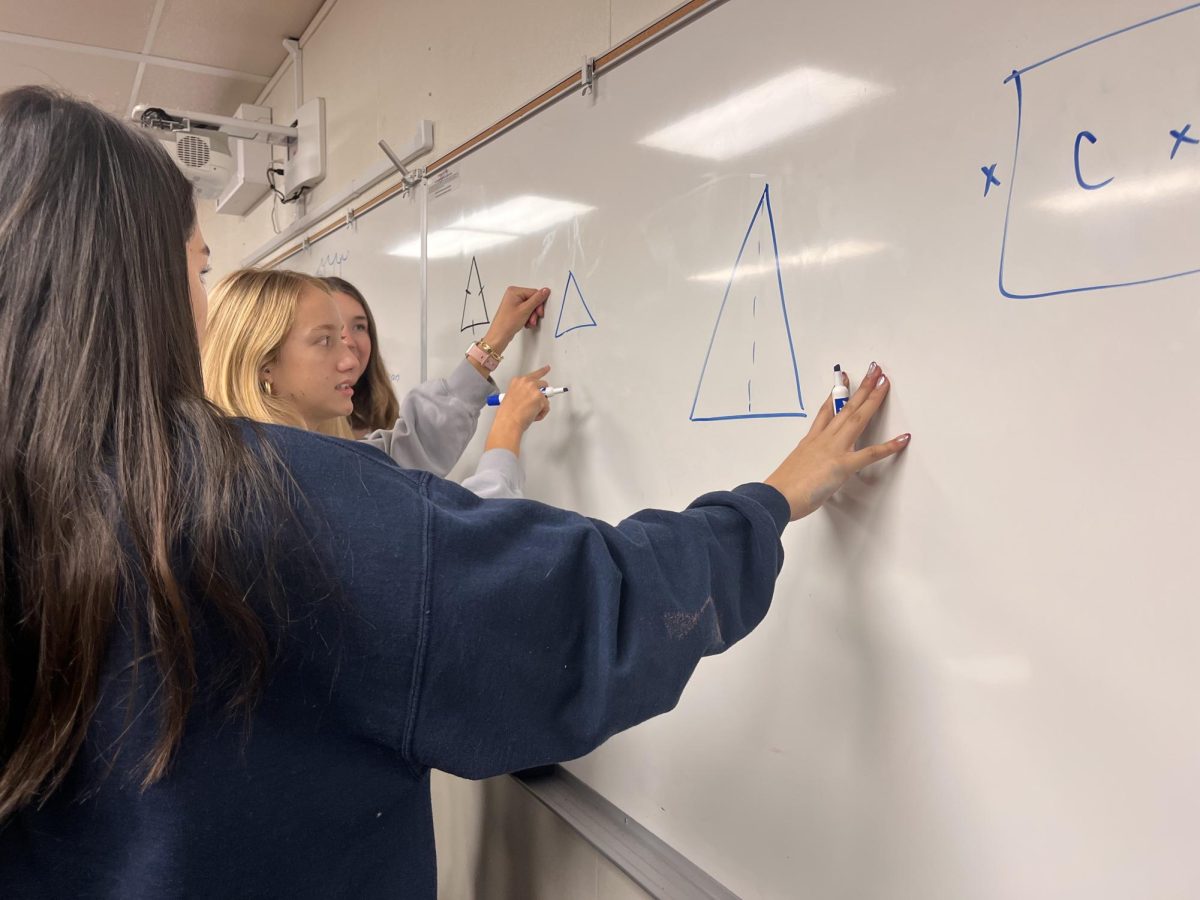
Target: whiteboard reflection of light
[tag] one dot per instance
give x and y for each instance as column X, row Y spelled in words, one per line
column 762, row 115
column 809, row 257
column 991, row 670
column 527, row 214
column 499, row 224
column 1124, row 192
column 449, row 242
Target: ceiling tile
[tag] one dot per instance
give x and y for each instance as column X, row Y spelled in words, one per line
column 117, row 26
column 105, row 82
column 196, row 93
column 235, row 34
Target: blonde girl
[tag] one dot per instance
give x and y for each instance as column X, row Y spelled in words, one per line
column 275, row 351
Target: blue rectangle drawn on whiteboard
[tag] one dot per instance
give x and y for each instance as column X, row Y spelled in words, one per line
column 1016, row 78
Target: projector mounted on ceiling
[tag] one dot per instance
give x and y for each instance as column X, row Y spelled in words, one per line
column 228, row 158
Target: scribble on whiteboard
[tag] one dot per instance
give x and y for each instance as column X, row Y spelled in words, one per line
column 474, row 311
column 331, row 264
column 1116, row 109
column 750, row 369
column 574, row 312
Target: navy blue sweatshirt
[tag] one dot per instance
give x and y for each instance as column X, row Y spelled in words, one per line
column 473, row 636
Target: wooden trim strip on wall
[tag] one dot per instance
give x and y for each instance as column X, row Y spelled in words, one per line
column 671, row 22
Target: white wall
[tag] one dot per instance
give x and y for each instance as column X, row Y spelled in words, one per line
column 381, row 66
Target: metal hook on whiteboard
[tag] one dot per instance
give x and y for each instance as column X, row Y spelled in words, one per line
column 410, row 178
column 351, row 219
column 306, row 243
column 587, row 79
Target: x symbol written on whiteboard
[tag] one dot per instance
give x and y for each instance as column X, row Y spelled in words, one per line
column 989, row 173
column 1182, row 138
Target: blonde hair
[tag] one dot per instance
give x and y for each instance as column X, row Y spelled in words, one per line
column 250, row 313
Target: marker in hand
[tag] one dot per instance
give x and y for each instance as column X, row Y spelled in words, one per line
column 841, row 393
column 497, row 399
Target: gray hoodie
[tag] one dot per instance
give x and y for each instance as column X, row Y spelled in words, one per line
column 437, row 420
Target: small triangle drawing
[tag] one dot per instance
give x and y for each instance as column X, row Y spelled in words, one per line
column 574, row 312
column 750, row 369
column 474, row 303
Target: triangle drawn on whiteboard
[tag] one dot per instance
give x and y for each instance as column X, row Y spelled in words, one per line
column 750, row 369
column 474, row 303
column 574, row 312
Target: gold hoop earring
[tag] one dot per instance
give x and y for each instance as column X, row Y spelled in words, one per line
column 268, row 389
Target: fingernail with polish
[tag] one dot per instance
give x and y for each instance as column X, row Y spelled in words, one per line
column 872, row 368
column 904, row 438
column 882, row 379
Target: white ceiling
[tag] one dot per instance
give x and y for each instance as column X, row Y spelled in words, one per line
column 205, row 57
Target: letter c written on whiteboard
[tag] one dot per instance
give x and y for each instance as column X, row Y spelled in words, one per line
column 1091, row 138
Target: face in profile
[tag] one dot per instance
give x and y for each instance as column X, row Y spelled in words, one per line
column 198, row 268
column 355, row 332
column 316, row 369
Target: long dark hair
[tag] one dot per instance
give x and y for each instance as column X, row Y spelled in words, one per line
column 120, row 485
column 375, row 403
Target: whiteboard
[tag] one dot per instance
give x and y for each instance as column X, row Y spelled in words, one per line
column 978, row 677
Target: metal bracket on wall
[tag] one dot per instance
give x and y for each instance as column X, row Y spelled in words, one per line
column 587, row 79
column 410, row 178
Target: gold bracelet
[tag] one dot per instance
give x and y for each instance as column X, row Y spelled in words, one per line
column 487, row 348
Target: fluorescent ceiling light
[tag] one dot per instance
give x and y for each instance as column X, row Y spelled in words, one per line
column 1125, row 192
column 523, row 215
column 817, row 255
column 452, row 242
column 762, row 115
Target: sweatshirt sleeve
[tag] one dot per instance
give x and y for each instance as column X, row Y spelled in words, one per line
column 499, row 475
column 545, row 632
column 437, row 420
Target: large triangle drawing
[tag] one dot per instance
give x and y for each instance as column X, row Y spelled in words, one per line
column 574, row 312
column 750, row 369
column 474, row 303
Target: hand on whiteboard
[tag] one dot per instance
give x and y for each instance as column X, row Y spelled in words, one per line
column 519, row 308
column 826, row 457
column 523, row 404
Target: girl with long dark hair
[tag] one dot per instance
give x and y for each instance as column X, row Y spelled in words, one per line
column 230, row 653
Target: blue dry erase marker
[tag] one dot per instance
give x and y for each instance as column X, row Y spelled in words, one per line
column 497, row 399
column 841, row 393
